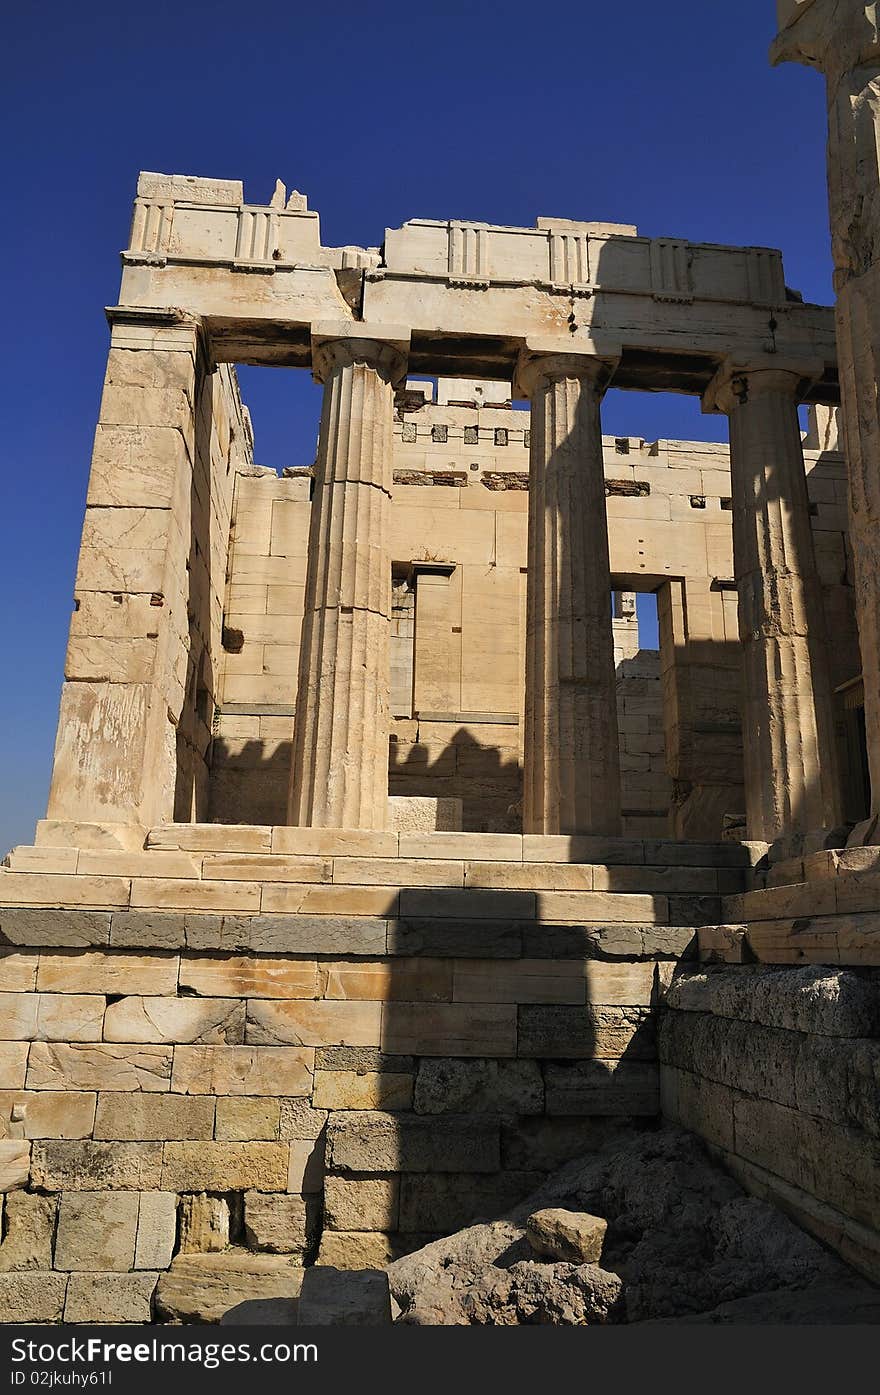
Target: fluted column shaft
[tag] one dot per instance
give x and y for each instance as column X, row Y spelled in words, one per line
column 791, row 779
column 339, row 776
column 842, row 39
column 571, row 753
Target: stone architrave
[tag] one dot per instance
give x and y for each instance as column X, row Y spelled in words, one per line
column 842, row 39
column 790, row 764
column 340, row 758
column 571, row 752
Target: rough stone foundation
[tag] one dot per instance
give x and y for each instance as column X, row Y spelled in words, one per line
column 777, row 1069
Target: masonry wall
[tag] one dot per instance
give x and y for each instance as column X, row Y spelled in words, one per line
column 777, row 1069
column 313, row 1052
column 143, row 663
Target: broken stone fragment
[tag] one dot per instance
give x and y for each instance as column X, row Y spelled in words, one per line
column 573, row 1236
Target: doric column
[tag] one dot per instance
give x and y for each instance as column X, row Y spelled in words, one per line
column 339, row 777
column 571, row 753
column 842, row 39
column 791, row 781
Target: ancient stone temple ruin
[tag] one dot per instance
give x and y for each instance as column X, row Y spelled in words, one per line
column 385, row 866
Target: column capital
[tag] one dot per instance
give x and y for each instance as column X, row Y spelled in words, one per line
column 542, row 361
column 831, row 35
column 342, row 343
column 739, row 379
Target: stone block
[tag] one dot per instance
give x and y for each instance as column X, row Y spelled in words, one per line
column 274, row 868
column 80, row 1166
column 15, row 1163
column 416, row 980
column 376, row 1142
column 18, row 971
column 437, row 903
column 332, row 1297
column 305, row 1172
column 96, row 1231
column 744, row 1055
column 156, row 1230
column 28, row 1230
column 243, row 976
column 147, row 930
column 153, row 1117
column 449, row 1029
column 604, row 1088
column 583, row 942
column 271, row 1022
column 361, row 1203
column 450, row 1202
column 460, row 939
column 20, row 889
column 530, row 876
column 275, row 1223
column 681, row 881
column 115, row 972
column 354, row 1249
column 540, row 847
column 299, row 1121
column 333, row 842
column 350, row 1090
column 247, row 1120
column 605, row 1033
column 155, row 1019
column 722, row 944
column 243, row 1070
column 542, row 1144
column 25, row 926
column 202, row 1288
column 300, row 934
column 329, row 900
column 483, row 847
column 32, row 1297
column 818, row 1000
column 46, row 1114
column 204, row 1223
column 367, row 871
column 574, row 1237
column 455, row 1086
column 224, row 1167
column 669, row 942
column 362, row 1058
column 211, row 837
column 53, row 1066
column 522, row 981
column 176, row 866
column 156, row 894
column 13, row 1064
column 110, row 1298
column 580, row 907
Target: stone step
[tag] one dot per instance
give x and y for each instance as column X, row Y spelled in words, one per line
column 196, row 879
column 477, row 847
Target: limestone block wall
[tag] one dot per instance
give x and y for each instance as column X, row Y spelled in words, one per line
column 143, row 658
column 777, row 1069
column 338, row 1049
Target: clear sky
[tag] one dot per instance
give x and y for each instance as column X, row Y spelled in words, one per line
column 663, row 115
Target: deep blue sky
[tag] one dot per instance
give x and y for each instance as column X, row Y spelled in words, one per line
column 663, row 115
